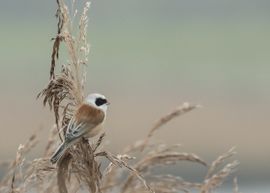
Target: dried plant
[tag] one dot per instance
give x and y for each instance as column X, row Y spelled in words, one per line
column 81, row 165
column 235, row 185
column 186, row 107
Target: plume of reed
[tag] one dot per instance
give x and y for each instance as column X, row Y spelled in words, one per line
column 216, row 163
column 215, row 177
column 186, row 107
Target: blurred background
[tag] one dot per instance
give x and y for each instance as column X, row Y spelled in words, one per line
column 148, row 57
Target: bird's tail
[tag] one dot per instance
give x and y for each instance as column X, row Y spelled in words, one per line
column 59, row 152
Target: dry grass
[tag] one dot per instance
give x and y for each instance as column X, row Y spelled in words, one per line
column 80, row 168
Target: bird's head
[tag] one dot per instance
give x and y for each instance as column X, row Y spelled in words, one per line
column 97, row 100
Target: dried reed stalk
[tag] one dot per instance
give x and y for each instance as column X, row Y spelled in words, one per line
column 64, row 92
column 235, row 185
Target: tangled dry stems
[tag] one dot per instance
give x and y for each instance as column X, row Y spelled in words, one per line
column 81, row 165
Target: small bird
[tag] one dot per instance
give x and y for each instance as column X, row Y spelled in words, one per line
column 87, row 122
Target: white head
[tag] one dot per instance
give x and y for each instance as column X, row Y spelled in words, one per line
column 99, row 101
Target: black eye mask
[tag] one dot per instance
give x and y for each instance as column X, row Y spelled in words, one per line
column 100, row 101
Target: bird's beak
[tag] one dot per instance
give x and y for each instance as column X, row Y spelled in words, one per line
column 108, row 103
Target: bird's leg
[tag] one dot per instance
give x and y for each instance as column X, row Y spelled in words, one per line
column 84, row 140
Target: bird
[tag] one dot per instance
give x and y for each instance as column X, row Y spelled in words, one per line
column 86, row 122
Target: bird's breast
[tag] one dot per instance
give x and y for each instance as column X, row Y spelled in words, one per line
column 93, row 132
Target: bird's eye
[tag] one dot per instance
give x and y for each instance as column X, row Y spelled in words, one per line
column 100, row 101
